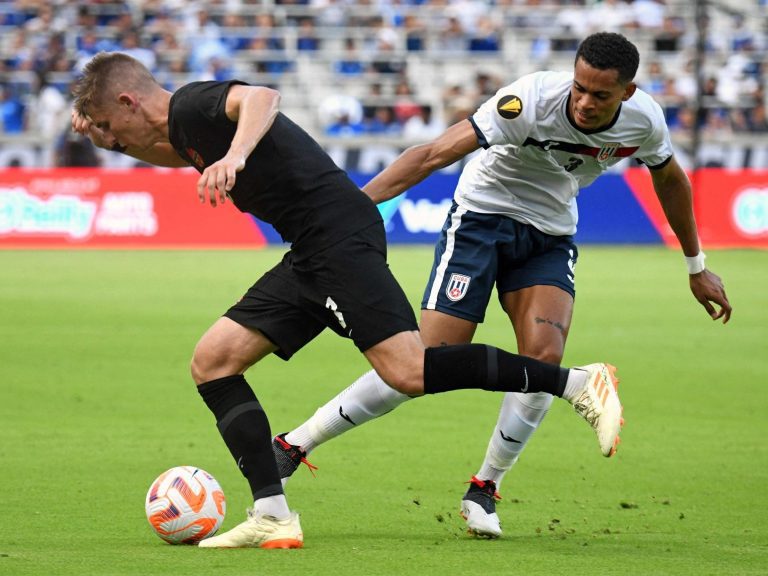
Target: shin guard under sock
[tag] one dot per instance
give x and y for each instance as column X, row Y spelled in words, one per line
column 244, row 427
column 472, row 366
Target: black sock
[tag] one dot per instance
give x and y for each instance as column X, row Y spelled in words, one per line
column 243, row 424
column 479, row 366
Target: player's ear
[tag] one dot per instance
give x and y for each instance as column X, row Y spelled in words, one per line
column 126, row 99
column 628, row 91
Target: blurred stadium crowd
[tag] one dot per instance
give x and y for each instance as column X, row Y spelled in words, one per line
column 400, row 69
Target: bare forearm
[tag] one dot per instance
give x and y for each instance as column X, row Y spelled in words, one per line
column 254, row 109
column 418, row 162
column 256, row 114
column 408, row 170
column 678, row 208
column 673, row 190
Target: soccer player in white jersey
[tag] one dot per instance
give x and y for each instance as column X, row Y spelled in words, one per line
column 514, row 214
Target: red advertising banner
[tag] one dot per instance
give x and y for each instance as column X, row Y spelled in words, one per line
column 731, row 206
column 137, row 208
column 151, row 208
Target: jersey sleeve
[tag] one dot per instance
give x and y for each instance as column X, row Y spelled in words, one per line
column 508, row 116
column 207, row 99
column 656, row 151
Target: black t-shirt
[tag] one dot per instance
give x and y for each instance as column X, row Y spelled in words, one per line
column 288, row 180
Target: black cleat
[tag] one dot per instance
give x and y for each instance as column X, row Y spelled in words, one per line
column 289, row 457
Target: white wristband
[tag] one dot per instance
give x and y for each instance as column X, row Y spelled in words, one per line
column 695, row 263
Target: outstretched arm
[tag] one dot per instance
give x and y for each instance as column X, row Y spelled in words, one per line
column 254, row 108
column 418, row 162
column 674, row 192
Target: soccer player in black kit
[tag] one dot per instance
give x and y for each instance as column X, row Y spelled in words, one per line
column 335, row 274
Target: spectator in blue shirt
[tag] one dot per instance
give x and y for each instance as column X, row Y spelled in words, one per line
column 12, row 111
column 307, row 40
column 350, row 63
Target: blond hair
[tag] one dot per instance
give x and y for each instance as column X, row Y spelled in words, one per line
column 106, row 75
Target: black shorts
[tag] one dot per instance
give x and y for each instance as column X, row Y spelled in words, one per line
column 348, row 288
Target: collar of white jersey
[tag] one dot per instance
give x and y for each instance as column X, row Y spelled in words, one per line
column 596, row 130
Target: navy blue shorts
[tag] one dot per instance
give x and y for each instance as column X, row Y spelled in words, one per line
column 477, row 250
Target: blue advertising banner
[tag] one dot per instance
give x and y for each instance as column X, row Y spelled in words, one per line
column 415, row 217
column 609, row 212
column 731, row 210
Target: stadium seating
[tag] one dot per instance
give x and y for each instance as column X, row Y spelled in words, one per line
column 432, row 58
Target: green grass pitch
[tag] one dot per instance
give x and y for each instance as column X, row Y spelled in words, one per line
column 96, row 400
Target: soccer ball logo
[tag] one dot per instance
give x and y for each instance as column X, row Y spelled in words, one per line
column 185, row 504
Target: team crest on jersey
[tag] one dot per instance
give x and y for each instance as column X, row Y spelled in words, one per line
column 607, row 151
column 195, row 157
column 509, row 107
column 457, row 287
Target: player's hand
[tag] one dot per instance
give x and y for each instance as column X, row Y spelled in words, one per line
column 219, row 178
column 80, row 124
column 707, row 288
column 83, row 125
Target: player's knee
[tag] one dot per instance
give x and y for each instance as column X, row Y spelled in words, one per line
column 407, row 386
column 545, row 353
column 205, row 365
column 400, row 363
column 410, row 382
column 197, row 369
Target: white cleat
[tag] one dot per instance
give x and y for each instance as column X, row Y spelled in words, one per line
column 260, row 531
column 478, row 508
column 599, row 405
column 479, row 522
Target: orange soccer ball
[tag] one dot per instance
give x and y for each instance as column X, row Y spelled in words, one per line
column 185, row 504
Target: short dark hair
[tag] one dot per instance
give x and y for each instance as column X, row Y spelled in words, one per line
column 610, row 51
column 108, row 73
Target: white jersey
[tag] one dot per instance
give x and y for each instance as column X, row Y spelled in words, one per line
column 536, row 160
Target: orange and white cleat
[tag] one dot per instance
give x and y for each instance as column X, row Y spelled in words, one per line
column 599, row 405
column 260, row 531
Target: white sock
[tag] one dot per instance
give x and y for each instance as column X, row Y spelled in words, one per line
column 519, row 417
column 577, row 379
column 276, row 506
column 365, row 399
